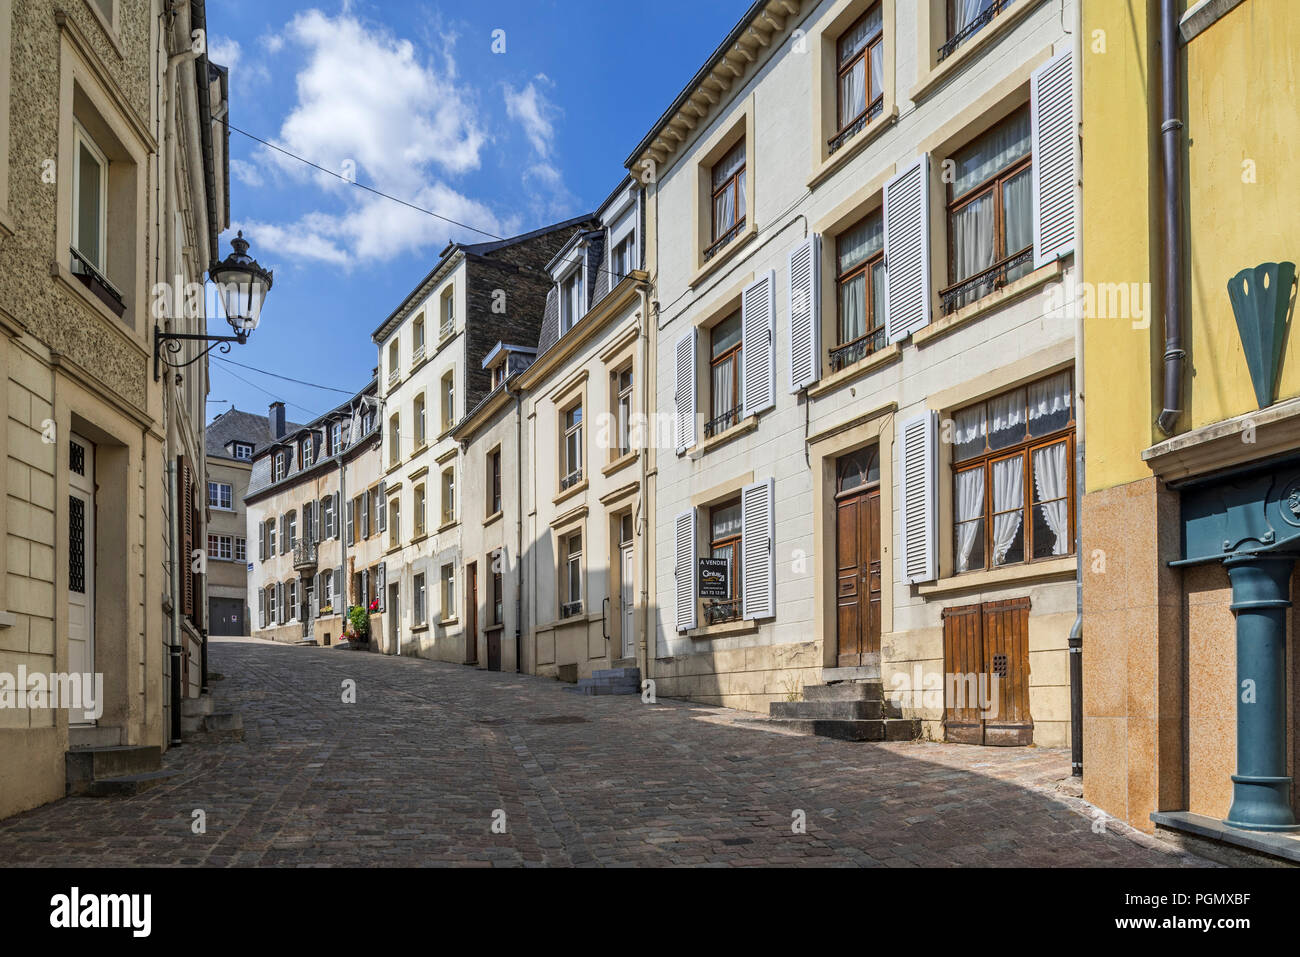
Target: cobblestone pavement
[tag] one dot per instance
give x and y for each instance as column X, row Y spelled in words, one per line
column 412, row 773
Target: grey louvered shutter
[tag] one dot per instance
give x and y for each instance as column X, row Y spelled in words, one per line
column 758, row 549
column 805, row 313
column 315, row 595
column 365, row 514
column 261, row 608
column 284, row 533
column 335, row 512
column 1053, row 132
column 347, row 506
column 365, row 590
column 380, row 576
column 261, row 541
column 907, row 250
column 684, row 570
column 758, row 353
column 381, row 507
column 279, row 603
column 918, row 440
column 685, row 390
column 340, row 599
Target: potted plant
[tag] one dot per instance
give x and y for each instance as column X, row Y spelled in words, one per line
column 358, row 626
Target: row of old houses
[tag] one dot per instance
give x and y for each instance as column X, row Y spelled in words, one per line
column 793, row 421
column 113, row 192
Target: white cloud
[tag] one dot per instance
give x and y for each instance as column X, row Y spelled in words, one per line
column 225, row 51
column 273, row 42
column 537, row 115
column 228, row 53
column 247, row 173
column 533, row 111
column 368, row 105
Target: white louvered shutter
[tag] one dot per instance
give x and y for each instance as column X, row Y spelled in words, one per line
column 805, row 313
column 381, row 575
column 335, row 512
column 261, row 541
column 685, row 392
column 758, row 352
column 279, row 603
column 261, row 608
column 340, row 599
column 347, row 506
column 1053, row 131
column 758, row 549
column 684, row 570
column 382, row 507
column 907, row 250
column 315, row 595
column 919, row 443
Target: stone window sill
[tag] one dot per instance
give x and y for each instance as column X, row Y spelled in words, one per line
column 447, row 526
column 448, row 621
column 623, row 461
column 726, row 254
column 942, row 72
column 1010, row 575
column 493, row 518
column 569, row 493
column 994, row 300
column 857, row 370
column 829, row 165
column 724, row 630
column 743, row 427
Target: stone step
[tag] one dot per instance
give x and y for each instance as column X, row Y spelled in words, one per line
column 127, row 784
column 87, row 765
column 220, row 725
column 887, row 729
column 845, row 691
column 196, row 707
column 95, row 736
column 603, row 689
column 840, row 710
column 628, row 673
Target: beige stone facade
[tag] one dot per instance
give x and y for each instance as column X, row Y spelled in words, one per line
column 90, row 225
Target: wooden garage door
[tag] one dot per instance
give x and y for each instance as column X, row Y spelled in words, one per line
column 986, row 640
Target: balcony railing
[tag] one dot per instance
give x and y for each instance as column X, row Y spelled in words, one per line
column 570, row 480
column 841, row 357
column 97, row 282
column 720, row 424
column 418, row 354
column 570, row 608
column 717, row 612
column 983, row 283
column 394, row 377
column 843, row 136
column 975, row 26
column 304, row 556
column 725, row 238
column 447, row 329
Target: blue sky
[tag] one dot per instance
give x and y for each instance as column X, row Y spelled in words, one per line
column 412, row 98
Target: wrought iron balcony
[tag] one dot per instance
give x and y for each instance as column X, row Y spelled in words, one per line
column 570, row 480
column 844, row 135
column 841, row 357
column 304, row 557
column 725, row 238
column 447, row 329
column 417, row 354
column 570, row 609
column 717, row 612
column 720, row 424
column 981, row 284
column 394, row 377
column 97, row 282
column 972, row 28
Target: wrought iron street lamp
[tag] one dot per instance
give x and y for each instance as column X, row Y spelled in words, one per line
column 242, row 285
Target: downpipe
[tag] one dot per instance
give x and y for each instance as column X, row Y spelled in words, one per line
column 1171, row 144
column 175, row 648
column 1074, row 644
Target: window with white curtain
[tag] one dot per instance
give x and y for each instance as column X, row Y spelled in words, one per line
column 860, row 65
column 728, row 197
column 860, row 291
column 968, row 17
column 990, row 212
column 1013, row 477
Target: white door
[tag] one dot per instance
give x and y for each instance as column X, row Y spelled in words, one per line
column 625, row 599
column 81, row 560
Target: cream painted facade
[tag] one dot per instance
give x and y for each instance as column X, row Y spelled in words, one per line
column 89, row 432
column 773, row 89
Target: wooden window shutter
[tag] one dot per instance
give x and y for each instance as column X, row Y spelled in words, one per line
column 907, row 250
column 1053, row 133
column 918, row 440
column 685, row 570
column 685, row 392
column 758, row 351
column 805, row 313
column 758, row 549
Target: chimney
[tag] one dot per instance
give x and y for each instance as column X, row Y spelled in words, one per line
column 277, row 420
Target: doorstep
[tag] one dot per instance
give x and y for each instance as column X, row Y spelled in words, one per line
column 1208, row 832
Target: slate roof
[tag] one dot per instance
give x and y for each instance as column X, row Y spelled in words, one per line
column 233, row 425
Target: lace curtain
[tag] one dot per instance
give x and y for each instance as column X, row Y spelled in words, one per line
column 1051, row 478
column 1008, row 499
column 970, row 507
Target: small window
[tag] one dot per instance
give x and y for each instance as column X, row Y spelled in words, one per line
column 572, row 460
column 724, row 543
column 271, row 617
column 622, row 258
column 494, row 482
column 308, row 452
column 448, row 496
column 292, row 529
column 859, row 292
column 337, row 437
column 420, row 437
column 573, row 300
column 241, row 549
column 990, row 213
column 243, row 451
column 90, row 204
column 724, row 374
column 623, row 411
column 394, row 439
column 447, row 309
column 220, row 547
column 448, row 591
column 860, row 73
column 572, row 571
column 279, row 466
column 858, row 470
column 498, row 592
column 270, row 536
column 448, row 400
column 967, row 18
column 417, row 339
column 291, row 599
column 394, row 522
column 219, row 495
column 419, row 613
column 418, row 507
column 394, row 363
column 728, row 176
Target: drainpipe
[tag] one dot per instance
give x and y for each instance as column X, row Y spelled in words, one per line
column 174, row 649
column 646, row 537
column 343, row 529
column 1075, row 642
column 519, row 526
column 1171, row 145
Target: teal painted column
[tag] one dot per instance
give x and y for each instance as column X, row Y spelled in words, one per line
column 1261, row 789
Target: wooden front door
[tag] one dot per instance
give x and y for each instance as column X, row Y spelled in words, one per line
column 471, row 614
column 857, row 578
column 982, row 643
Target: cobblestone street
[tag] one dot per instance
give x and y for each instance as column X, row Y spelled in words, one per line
column 413, row 772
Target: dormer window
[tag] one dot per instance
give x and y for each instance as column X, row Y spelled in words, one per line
column 337, row 437
column 243, row 450
column 279, row 466
column 573, row 302
column 308, row 452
